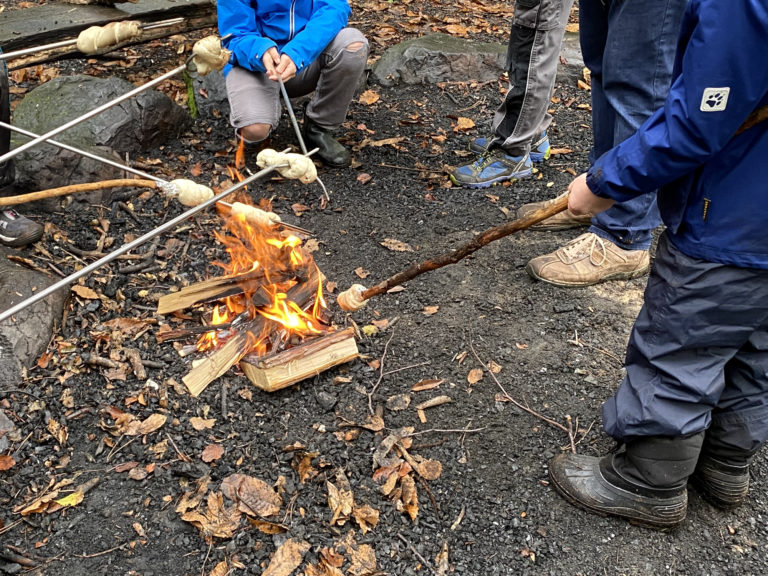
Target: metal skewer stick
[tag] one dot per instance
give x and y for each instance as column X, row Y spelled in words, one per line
column 90, row 155
column 296, row 129
column 135, row 243
column 92, row 113
column 63, row 43
column 292, row 115
column 126, row 168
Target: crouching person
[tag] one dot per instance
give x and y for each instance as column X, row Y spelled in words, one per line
column 693, row 406
column 309, row 47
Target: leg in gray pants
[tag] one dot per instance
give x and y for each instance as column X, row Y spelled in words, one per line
column 532, row 57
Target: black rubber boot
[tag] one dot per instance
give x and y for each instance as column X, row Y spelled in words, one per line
column 724, row 485
column 633, row 484
column 331, row 152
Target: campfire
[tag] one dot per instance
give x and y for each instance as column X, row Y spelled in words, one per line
column 266, row 311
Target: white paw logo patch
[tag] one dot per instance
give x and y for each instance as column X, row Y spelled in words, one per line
column 714, row 99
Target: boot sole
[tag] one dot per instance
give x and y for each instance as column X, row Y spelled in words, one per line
column 620, row 512
column 609, row 277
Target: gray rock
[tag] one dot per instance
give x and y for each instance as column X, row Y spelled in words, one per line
column 326, row 400
column 211, row 95
column 6, row 428
column 440, row 58
column 144, row 121
column 24, row 337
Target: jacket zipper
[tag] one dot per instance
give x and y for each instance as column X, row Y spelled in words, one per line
column 292, row 20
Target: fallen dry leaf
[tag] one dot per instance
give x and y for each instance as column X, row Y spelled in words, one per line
column 6, row 462
column 366, row 517
column 212, row 452
column 85, row 292
column 409, row 499
column 362, row 272
column 429, row 310
column 202, row 423
column 216, row 521
column 427, row 384
column 369, row 97
column 475, row 375
column 341, row 500
column 463, row 124
column 221, row 569
column 255, row 497
column 396, row 245
column 287, row 558
column 364, row 178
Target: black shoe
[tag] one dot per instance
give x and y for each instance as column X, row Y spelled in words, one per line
column 16, row 230
column 724, row 485
column 331, row 152
column 593, row 484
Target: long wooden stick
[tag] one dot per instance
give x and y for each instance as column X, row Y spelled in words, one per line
column 74, row 188
column 482, row 239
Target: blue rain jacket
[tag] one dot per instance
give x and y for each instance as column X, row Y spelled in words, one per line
column 713, row 182
column 301, row 29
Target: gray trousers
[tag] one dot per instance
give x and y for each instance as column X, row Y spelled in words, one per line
column 333, row 76
column 533, row 54
column 697, row 357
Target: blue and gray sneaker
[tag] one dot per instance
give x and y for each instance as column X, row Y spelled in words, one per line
column 540, row 149
column 492, row 167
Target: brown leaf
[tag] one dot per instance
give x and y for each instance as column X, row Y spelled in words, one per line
column 138, row 473
column 409, row 497
column 463, row 124
column 429, row 310
column 362, row 272
column 126, row 466
column 369, row 97
column 257, row 497
column 85, row 292
column 311, row 245
column 373, row 423
column 299, row 209
column 202, row 423
column 364, row 178
column 6, row 462
column 217, row 521
column 385, row 142
column 422, row 385
column 396, row 245
column 475, row 375
column 287, row 558
column 196, row 170
column 154, row 422
column 221, row 569
column 266, row 527
column 340, row 498
column 58, row 431
column 366, row 517
column 457, row 30
column 212, row 452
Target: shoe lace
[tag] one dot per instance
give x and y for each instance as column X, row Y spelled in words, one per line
column 486, row 158
column 587, row 244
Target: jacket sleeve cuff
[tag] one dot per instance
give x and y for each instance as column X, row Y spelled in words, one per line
column 594, row 184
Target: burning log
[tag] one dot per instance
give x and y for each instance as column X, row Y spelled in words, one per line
column 300, row 362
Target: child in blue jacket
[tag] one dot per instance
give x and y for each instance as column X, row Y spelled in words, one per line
column 306, row 44
column 694, row 402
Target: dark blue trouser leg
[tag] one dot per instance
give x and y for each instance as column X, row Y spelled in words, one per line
column 698, row 355
column 629, row 47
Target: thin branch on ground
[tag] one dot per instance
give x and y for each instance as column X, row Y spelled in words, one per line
column 395, row 371
column 576, row 341
column 519, row 404
column 447, row 430
column 416, row 553
column 381, row 372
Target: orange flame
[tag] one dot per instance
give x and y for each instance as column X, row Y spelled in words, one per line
column 265, row 259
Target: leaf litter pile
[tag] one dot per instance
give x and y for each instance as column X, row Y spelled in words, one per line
column 427, row 455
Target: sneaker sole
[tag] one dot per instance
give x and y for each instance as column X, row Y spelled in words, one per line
column 536, row 157
column 490, row 183
column 22, row 240
column 608, row 278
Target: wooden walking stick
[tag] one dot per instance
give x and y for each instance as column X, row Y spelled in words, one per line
column 355, row 297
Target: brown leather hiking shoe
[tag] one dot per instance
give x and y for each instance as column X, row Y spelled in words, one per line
column 561, row 221
column 588, row 260
column 593, row 484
